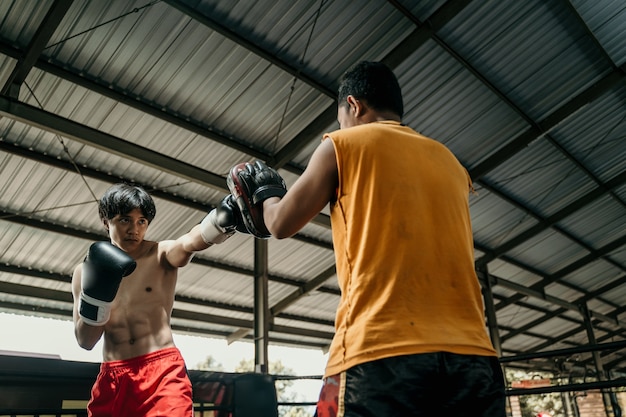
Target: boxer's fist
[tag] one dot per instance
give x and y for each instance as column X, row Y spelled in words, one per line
column 222, row 222
column 250, row 185
column 102, row 271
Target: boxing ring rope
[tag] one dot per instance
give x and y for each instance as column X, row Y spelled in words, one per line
column 33, row 373
column 563, row 352
column 514, row 392
column 600, row 384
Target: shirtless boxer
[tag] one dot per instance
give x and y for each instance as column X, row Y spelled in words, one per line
column 124, row 290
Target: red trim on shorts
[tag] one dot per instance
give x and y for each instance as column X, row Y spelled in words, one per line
column 330, row 403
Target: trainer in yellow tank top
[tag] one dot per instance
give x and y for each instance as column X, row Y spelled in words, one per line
column 406, row 276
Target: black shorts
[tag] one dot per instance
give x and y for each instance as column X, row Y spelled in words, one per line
column 429, row 384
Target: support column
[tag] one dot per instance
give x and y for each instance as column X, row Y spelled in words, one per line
column 492, row 324
column 261, row 307
column 584, row 310
column 490, row 309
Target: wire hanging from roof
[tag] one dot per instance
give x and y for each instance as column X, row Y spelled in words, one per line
column 135, row 10
column 295, row 77
column 65, row 148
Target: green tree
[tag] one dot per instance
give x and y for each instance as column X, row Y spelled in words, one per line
column 283, row 392
column 210, row 364
column 531, row 405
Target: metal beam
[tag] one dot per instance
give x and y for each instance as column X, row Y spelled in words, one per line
column 610, row 319
column 405, row 48
column 177, row 313
column 67, row 315
column 524, row 291
column 550, row 221
column 590, row 348
column 597, row 359
column 59, row 163
column 23, row 290
column 261, row 307
column 92, row 236
column 103, row 176
column 551, row 278
column 25, row 63
column 84, row 134
column 544, row 126
column 490, row 311
column 304, row 289
column 253, row 47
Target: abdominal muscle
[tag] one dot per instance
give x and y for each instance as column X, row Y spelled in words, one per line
column 140, row 313
column 137, row 335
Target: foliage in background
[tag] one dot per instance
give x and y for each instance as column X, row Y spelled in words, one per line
column 283, row 392
column 282, row 387
column 210, row 364
column 532, row 405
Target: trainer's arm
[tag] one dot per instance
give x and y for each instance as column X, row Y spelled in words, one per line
column 86, row 335
column 315, row 188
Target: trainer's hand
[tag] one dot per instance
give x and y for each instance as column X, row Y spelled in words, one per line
column 250, row 185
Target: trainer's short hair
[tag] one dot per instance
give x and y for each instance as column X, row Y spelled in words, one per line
column 123, row 198
column 375, row 83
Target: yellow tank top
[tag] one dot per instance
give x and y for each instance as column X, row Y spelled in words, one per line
column 404, row 249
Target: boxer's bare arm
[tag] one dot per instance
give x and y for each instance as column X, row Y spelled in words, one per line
column 315, row 188
column 177, row 253
column 217, row 226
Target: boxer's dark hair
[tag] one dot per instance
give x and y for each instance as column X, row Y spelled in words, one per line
column 123, row 198
column 373, row 82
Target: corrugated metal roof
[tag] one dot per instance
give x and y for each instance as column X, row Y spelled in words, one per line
column 170, row 94
column 606, row 19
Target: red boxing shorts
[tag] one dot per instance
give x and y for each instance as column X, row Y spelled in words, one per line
column 151, row 385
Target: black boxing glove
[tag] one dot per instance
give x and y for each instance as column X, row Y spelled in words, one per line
column 102, row 271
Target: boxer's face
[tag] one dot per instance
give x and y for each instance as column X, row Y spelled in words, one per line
column 127, row 230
